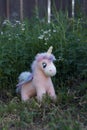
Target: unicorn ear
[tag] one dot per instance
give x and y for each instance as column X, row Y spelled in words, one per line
column 38, row 57
column 50, row 50
column 38, row 54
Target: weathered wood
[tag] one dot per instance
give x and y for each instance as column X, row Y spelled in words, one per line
column 84, row 7
column 14, row 10
column 3, row 8
column 63, row 5
column 80, row 8
column 7, row 9
column 20, row 9
column 42, row 8
column 29, row 8
column 69, row 7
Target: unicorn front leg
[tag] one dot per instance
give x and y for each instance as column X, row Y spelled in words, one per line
column 40, row 94
column 51, row 93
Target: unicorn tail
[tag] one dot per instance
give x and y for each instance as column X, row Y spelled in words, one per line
column 23, row 78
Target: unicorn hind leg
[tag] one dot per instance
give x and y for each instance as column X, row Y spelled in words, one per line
column 24, row 97
column 27, row 92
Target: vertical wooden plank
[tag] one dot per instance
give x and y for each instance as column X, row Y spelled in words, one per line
column 49, row 11
column 2, row 8
column 63, row 5
column 21, row 10
column 14, row 10
column 73, row 8
column 84, row 7
column 56, row 4
column 29, row 8
column 7, row 9
column 36, row 8
column 42, row 7
column 69, row 2
column 80, row 8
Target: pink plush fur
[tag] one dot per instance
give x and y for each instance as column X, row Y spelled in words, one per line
column 39, row 81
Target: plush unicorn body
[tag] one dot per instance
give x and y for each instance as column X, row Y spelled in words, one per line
column 39, row 81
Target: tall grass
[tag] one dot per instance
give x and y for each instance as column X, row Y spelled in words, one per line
column 20, row 42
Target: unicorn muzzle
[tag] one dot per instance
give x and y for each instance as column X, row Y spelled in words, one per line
column 51, row 70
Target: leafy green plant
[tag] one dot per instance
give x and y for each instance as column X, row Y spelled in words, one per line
column 20, row 42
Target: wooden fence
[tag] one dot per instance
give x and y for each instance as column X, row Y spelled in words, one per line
column 20, row 9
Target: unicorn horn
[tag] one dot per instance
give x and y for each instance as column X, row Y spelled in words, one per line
column 50, row 50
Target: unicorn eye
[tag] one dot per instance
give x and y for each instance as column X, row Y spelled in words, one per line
column 44, row 65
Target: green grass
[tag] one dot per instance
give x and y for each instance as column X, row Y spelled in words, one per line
column 68, row 113
column 19, row 43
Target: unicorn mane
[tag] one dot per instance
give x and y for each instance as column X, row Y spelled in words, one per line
column 40, row 57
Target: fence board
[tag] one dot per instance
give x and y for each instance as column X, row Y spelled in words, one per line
column 28, row 8
column 3, row 8
column 14, row 9
column 69, row 6
column 86, row 7
column 42, row 8
column 63, row 5
column 60, row 4
column 80, row 7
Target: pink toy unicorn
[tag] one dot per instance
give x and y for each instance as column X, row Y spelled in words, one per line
column 39, row 81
